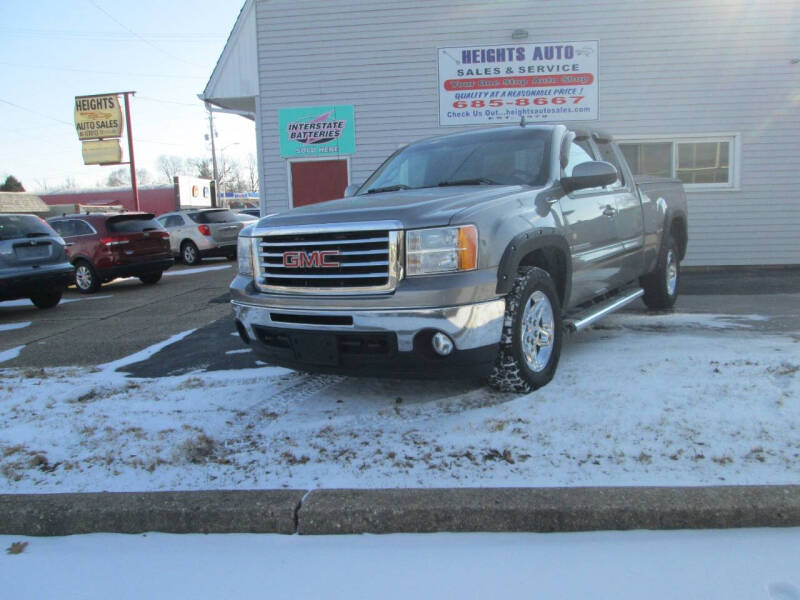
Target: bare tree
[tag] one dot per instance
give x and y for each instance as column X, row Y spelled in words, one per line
column 202, row 167
column 169, row 166
column 252, row 173
column 122, row 177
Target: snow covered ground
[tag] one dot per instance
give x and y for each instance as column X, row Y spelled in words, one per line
column 674, row 399
column 745, row 564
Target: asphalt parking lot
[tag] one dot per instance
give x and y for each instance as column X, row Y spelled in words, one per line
column 125, row 317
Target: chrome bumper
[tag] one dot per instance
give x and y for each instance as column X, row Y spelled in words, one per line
column 469, row 326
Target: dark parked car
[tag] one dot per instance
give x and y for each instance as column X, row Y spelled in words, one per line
column 33, row 261
column 106, row 246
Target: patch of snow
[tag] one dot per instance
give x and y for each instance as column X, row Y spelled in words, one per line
column 627, row 407
column 242, row 351
column 621, row 565
column 13, row 326
column 146, row 353
column 10, row 354
column 195, row 270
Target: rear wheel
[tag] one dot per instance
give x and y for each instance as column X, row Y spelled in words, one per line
column 661, row 286
column 86, row 279
column 189, row 253
column 532, row 335
column 46, row 299
column 150, row 278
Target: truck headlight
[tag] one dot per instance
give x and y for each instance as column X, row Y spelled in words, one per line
column 441, row 250
column 244, row 254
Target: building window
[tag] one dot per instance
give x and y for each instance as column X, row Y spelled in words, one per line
column 697, row 162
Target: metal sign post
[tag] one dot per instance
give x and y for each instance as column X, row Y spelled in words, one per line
column 134, row 187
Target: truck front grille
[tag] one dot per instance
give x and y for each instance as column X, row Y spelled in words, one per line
column 325, row 260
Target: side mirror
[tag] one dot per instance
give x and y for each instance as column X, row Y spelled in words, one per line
column 595, row 173
column 351, row 189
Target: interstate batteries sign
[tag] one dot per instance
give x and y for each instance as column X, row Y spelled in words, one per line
column 552, row 81
column 98, row 117
column 317, row 131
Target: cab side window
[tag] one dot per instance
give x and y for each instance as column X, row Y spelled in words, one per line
column 82, row 228
column 606, row 153
column 579, row 152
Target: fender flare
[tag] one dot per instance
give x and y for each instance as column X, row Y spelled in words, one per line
column 525, row 243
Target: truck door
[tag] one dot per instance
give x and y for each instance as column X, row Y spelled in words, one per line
column 594, row 244
column 629, row 219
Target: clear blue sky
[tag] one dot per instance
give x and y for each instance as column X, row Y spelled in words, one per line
column 165, row 50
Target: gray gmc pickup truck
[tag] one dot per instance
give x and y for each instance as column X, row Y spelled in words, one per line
column 464, row 254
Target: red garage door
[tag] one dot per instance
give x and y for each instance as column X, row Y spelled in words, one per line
column 317, row 181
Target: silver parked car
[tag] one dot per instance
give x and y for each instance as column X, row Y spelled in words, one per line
column 198, row 233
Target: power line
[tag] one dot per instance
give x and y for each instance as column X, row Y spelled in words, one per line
column 52, row 68
column 36, row 113
column 195, row 105
column 129, row 30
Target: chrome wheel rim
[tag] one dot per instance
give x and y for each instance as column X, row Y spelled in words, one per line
column 538, row 331
column 672, row 273
column 83, row 277
column 188, row 254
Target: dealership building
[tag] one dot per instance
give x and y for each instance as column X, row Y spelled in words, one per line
column 708, row 92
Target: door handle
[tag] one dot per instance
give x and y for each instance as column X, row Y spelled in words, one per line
column 610, row 211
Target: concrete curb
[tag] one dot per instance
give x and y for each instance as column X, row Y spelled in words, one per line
column 270, row 511
column 403, row 510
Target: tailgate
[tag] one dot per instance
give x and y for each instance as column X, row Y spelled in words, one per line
column 223, row 233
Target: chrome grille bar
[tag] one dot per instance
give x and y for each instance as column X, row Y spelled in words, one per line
column 329, row 259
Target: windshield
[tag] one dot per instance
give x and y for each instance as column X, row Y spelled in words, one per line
column 22, row 226
column 508, row 157
column 213, row 216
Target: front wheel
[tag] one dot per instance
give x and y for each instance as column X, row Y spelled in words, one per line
column 532, row 335
column 661, row 286
column 47, row 299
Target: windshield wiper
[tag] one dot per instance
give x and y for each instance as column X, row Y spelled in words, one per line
column 388, row 188
column 474, row 181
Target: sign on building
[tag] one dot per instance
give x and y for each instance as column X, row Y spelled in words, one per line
column 552, row 81
column 317, row 131
column 98, row 117
column 193, row 191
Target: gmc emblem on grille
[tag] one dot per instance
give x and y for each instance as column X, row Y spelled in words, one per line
column 297, row 259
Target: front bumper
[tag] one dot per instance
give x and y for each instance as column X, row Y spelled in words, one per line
column 390, row 342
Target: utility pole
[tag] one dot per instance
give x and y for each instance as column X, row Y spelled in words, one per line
column 213, row 154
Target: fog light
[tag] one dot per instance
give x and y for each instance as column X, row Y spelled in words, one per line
column 442, row 344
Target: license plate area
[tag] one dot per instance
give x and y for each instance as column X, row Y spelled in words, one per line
column 315, row 348
column 28, row 252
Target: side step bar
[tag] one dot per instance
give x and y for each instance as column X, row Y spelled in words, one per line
column 601, row 310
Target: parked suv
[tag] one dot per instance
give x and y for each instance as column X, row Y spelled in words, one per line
column 33, row 261
column 198, row 233
column 103, row 247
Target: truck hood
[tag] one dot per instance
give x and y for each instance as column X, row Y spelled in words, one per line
column 424, row 207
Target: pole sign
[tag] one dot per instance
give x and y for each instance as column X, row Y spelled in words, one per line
column 98, row 117
column 552, row 81
column 317, row 131
column 102, row 152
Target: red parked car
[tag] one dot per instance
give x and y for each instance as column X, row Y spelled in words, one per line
column 103, row 247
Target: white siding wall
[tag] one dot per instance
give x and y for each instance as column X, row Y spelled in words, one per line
column 666, row 67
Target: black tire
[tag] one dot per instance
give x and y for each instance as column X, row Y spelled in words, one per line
column 86, row 279
column 515, row 369
column 661, row 286
column 190, row 255
column 46, row 299
column 150, row 278
column 232, row 256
